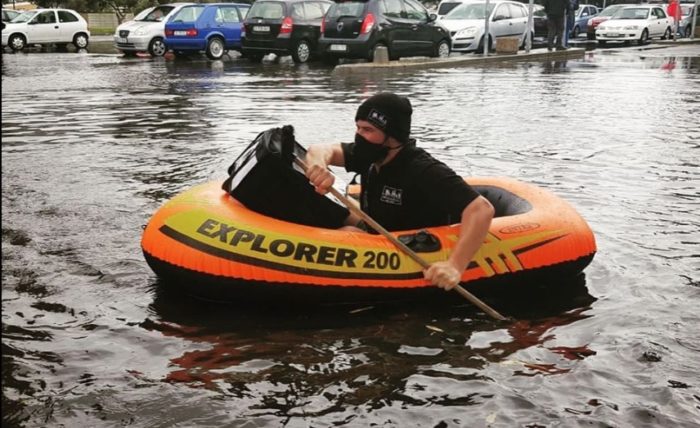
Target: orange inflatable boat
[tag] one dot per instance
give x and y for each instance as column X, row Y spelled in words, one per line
column 206, row 241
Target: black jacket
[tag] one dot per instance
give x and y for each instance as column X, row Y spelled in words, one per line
column 556, row 7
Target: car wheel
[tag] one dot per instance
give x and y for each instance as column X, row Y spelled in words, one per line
column 480, row 49
column 442, row 49
column 302, row 52
column 667, row 34
column 157, row 47
column 80, row 41
column 374, row 49
column 575, row 32
column 687, row 31
column 17, row 42
column 215, row 48
column 644, row 37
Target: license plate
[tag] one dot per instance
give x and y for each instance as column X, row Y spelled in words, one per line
column 121, row 40
column 612, row 35
column 261, row 28
column 338, row 48
column 179, row 33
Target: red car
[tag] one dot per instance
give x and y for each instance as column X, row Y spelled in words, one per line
column 603, row 16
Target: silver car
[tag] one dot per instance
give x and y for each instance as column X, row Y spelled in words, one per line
column 466, row 24
column 146, row 32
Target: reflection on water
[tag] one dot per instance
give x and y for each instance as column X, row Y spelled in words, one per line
column 93, row 144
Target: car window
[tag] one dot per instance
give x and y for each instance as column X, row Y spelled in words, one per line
column 502, row 12
column 517, row 11
column 65, row 16
column 446, row 7
column 539, row 12
column 314, row 10
column 392, row 8
column 415, row 11
column 48, row 17
column 188, row 14
column 469, row 11
column 660, row 13
column 227, row 14
column 352, row 9
column 243, row 10
column 157, row 14
column 267, row 10
column 298, row 11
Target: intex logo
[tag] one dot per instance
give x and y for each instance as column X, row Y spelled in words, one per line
column 517, row 228
column 377, row 118
column 391, row 195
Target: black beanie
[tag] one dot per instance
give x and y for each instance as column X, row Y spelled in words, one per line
column 389, row 112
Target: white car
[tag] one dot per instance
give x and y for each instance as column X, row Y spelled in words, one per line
column 44, row 26
column 466, row 24
column 146, row 32
column 639, row 22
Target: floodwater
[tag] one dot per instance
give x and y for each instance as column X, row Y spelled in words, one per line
column 93, row 144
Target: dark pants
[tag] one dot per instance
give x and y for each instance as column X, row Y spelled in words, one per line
column 555, row 28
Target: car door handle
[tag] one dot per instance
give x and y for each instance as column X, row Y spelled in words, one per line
column 56, row 27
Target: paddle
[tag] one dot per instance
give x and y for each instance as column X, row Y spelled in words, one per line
column 401, row 246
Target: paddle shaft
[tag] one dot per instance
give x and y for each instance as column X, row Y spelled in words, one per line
column 401, row 246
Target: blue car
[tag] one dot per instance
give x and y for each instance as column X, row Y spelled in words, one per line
column 581, row 17
column 213, row 28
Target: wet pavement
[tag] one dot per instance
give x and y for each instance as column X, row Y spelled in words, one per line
column 93, row 144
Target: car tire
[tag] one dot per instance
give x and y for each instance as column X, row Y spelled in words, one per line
column 644, row 38
column 374, row 49
column 157, row 47
column 301, row 52
column 81, row 41
column 215, row 48
column 575, row 32
column 480, row 49
column 17, row 42
column 687, row 31
column 442, row 49
column 667, row 34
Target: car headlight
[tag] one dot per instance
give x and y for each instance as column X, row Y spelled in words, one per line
column 466, row 32
column 631, row 27
column 140, row 32
column 602, row 27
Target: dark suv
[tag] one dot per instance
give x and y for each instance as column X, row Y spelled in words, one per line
column 286, row 27
column 355, row 28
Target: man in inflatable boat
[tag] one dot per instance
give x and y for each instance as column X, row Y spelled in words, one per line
column 404, row 187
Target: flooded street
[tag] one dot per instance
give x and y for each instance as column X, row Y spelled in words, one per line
column 94, row 144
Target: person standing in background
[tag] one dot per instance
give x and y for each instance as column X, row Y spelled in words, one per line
column 674, row 11
column 556, row 11
column 570, row 20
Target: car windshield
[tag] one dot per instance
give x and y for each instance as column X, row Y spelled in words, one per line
column 539, row 11
column 446, row 7
column 157, row 14
column 469, row 11
column 610, row 10
column 24, row 17
column 631, row 13
column 686, row 10
column 266, row 10
column 188, row 14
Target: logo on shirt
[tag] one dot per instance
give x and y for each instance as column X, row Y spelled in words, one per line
column 377, row 118
column 391, row 195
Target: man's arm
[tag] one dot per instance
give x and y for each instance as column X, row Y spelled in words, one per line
column 476, row 220
column 318, row 158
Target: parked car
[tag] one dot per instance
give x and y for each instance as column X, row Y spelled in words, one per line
column 583, row 14
column 685, row 27
column 146, row 32
column 603, row 16
column 466, row 24
column 356, row 28
column 539, row 20
column 639, row 22
column 213, row 28
column 46, row 26
column 286, row 27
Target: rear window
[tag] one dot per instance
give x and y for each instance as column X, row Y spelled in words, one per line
column 266, row 10
column 188, row 14
column 349, row 9
column 65, row 16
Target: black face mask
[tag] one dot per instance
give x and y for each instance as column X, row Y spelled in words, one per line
column 367, row 153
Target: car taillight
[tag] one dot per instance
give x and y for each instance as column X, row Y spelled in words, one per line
column 287, row 25
column 367, row 24
column 323, row 25
column 168, row 32
column 191, row 32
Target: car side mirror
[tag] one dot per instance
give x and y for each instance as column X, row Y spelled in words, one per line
column 432, row 17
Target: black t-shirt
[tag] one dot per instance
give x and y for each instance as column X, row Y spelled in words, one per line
column 412, row 191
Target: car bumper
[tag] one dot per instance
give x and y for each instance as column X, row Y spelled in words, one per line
column 185, row 44
column 345, row 48
column 5, row 37
column 276, row 45
column 465, row 44
column 137, row 43
column 618, row 35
